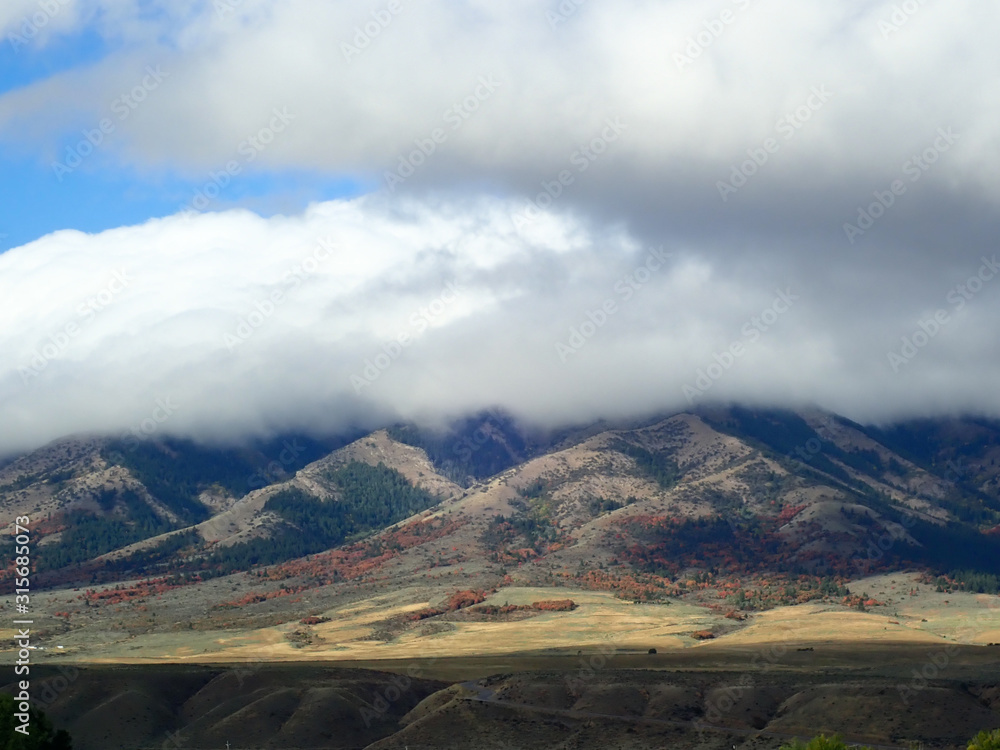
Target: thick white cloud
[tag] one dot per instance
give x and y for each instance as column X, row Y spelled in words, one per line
column 841, row 98
column 240, row 325
column 228, row 69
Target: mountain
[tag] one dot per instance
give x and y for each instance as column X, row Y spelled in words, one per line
column 731, row 510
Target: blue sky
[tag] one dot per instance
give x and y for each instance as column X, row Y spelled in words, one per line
column 105, row 193
column 36, row 203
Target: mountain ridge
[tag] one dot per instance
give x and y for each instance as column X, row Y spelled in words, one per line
column 734, row 511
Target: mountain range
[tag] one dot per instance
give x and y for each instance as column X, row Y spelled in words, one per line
column 790, row 505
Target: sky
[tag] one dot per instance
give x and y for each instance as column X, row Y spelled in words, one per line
column 231, row 218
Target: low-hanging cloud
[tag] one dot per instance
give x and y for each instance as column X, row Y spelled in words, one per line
column 228, row 325
column 580, row 210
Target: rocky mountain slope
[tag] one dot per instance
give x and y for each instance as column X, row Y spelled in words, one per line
column 735, row 510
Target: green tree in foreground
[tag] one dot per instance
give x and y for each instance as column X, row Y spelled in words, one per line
column 982, row 741
column 821, row 743
column 986, row 741
column 40, row 734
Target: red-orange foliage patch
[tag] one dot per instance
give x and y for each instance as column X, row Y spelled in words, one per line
column 47, row 526
column 549, row 605
column 554, row 605
column 362, row 558
column 253, row 598
column 789, row 512
column 141, row 590
column 458, row 600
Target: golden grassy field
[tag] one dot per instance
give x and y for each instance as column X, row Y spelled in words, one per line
column 378, row 629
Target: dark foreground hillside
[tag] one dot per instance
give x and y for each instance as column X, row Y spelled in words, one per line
column 572, row 701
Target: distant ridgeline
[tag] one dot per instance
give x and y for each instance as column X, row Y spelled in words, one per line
column 470, row 449
column 174, row 472
column 370, row 498
column 788, row 437
column 959, row 548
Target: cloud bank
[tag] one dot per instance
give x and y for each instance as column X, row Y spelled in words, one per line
column 577, row 209
column 227, row 325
